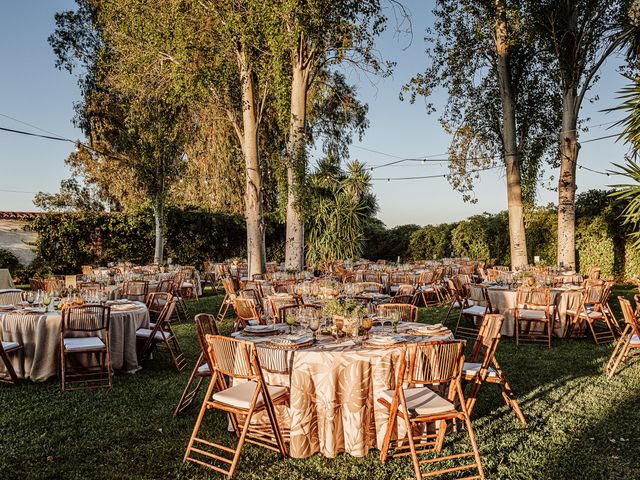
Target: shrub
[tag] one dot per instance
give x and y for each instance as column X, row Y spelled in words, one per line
column 9, row 260
column 387, row 244
column 469, row 239
column 432, row 241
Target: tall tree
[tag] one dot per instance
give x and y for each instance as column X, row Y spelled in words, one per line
column 318, row 35
column 581, row 35
column 500, row 104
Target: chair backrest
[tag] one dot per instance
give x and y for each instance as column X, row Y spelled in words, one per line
column 433, row 362
column 372, row 276
column 408, row 312
column 231, row 357
column 85, row 318
column 91, row 286
column 277, row 302
column 370, row 287
column 229, row 286
column 11, row 297
column 205, row 325
column 245, row 310
column 629, row 314
column 533, row 297
column 427, row 277
column 53, row 283
column 254, row 295
column 135, row 289
column 156, row 301
column 488, row 337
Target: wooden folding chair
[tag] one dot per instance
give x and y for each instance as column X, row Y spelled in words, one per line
column 591, row 313
column 253, row 294
column 205, row 325
column 456, row 298
column 476, row 305
column 229, row 295
column 37, row 284
column 533, row 309
column 628, row 344
column 277, row 302
column 135, row 290
column 488, row 370
column 85, row 331
column 370, row 287
column 9, row 348
column 246, row 313
column 439, row 365
column 155, row 302
column 429, row 288
column 187, row 282
column 249, row 394
column 161, row 333
column 408, row 312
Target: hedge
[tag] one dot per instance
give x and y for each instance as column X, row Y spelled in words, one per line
column 66, row 241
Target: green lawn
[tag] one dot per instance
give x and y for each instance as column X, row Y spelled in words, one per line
column 581, row 425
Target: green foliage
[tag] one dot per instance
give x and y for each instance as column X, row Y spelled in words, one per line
column 469, row 239
column 541, row 227
column 432, row 241
column 341, row 202
column 387, row 244
column 9, row 260
column 65, row 240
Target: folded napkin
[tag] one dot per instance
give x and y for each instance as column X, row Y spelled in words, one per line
column 291, row 340
column 259, row 328
column 384, row 340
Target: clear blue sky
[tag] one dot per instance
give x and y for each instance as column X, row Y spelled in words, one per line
column 32, row 90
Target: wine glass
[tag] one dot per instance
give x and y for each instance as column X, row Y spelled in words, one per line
column 30, row 298
column 395, row 320
column 338, row 322
column 290, row 319
column 314, row 325
column 367, row 324
column 46, row 301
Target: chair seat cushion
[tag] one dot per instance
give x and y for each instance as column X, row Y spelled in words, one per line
column 591, row 314
column 422, row 401
column 240, row 395
column 187, row 285
column 83, row 343
column 204, row 370
column 146, row 333
column 475, row 310
column 6, row 346
column 472, row 369
column 526, row 314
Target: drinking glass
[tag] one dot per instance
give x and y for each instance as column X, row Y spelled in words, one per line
column 367, row 324
column 30, row 298
column 46, row 301
column 395, row 320
column 290, row 319
column 314, row 325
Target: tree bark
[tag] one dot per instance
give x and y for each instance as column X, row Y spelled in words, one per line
column 569, row 148
column 517, row 236
column 296, row 168
column 158, row 215
column 254, row 215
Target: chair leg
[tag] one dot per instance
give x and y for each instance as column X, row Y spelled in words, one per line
column 511, row 401
column 384, row 450
column 618, row 354
column 188, row 396
column 9, row 366
column 442, row 430
column 474, row 445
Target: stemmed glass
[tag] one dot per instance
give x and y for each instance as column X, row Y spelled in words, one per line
column 290, row 319
column 46, row 301
column 395, row 320
column 314, row 325
column 30, row 298
column 367, row 324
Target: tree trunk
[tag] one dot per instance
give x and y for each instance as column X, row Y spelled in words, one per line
column 569, row 148
column 296, row 169
column 517, row 236
column 158, row 215
column 253, row 192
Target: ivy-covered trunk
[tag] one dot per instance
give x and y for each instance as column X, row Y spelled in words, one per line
column 569, row 148
column 296, row 169
column 254, row 215
column 517, row 236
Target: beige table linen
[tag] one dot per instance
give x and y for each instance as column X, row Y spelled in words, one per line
column 5, row 278
column 334, row 392
column 40, row 335
column 503, row 301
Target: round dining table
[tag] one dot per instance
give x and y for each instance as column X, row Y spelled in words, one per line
column 39, row 333
column 334, row 389
column 503, row 301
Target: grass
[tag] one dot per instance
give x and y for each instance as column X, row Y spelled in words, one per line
column 580, row 423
